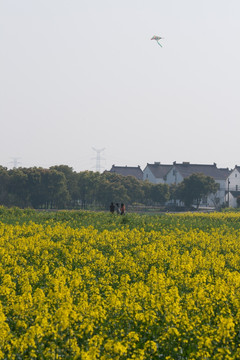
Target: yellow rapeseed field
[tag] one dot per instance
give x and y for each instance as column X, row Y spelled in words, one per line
column 126, row 293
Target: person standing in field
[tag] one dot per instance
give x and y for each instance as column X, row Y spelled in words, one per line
column 118, row 208
column 123, row 209
column 112, row 208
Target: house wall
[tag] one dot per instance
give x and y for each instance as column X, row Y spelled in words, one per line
column 220, row 197
column 173, row 177
column 234, row 185
column 234, row 179
column 213, row 200
column 148, row 175
column 232, row 201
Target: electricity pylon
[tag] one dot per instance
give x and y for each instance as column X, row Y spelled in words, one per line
column 15, row 162
column 98, row 158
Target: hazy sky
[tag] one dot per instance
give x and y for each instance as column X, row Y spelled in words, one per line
column 77, row 74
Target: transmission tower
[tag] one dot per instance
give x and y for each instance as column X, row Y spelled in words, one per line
column 98, row 158
column 15, row 162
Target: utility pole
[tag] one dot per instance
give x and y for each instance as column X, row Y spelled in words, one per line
column 228, row 193
column 98, row 158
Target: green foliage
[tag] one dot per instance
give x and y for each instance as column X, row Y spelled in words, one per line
column 194, row 188
column 104, row 220
column 160, row 193
column 60, row 187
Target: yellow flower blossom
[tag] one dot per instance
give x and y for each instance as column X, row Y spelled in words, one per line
column 161, row 287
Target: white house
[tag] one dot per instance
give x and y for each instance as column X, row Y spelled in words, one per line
column 233, row 187
column 156, row 173
column 180, row 171
column 174, row 174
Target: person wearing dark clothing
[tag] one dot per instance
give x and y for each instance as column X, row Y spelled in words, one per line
column 122, row 210
column 112, row 208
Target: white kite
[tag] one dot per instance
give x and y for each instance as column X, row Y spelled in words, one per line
column 157, row 38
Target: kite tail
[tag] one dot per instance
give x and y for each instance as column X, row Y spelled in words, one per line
column 159, row 44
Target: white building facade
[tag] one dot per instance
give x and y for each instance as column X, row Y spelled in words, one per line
column 156, row 173
column 233, row 187
column 180, row 171
column 174, row 174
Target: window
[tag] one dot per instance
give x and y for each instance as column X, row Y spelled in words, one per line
column 236, row 187
column 235, row 175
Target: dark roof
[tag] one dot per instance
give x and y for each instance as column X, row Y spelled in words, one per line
column 186, row 169
column 159, row 170
column 135, row 171
column 237, row 167
column 234, row 193
column 225, row 172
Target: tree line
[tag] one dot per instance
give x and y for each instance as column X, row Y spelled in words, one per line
column 61, row 187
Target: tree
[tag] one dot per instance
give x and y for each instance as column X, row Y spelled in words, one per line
column 54, row 189
column 159, row 193
column 112, row 188
column 146, row 187
column 133, row 188
column 173, row 192
column 87, row 183
column 111, row 192
column 18, row 188
column 4, row 181
column 34, row 186
column 195, row 187
column 71, row 181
